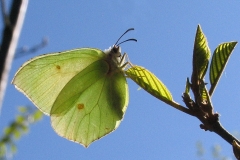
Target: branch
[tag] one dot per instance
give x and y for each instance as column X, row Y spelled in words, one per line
column 218, row 129
column 24, row 50
column 9, row 42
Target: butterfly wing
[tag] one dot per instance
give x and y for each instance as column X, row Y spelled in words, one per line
column 91, row 104
column 42, row 78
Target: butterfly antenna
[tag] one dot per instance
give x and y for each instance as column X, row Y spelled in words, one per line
column 130, row 29
column 131, row 39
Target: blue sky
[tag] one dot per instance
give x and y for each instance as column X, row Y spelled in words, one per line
column 165, row 32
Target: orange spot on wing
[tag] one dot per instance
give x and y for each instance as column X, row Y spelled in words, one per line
column 58, row 67
column 80, row 106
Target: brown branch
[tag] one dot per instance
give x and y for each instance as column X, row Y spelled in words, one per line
column 26, row 50
column 204, row 111
column 218, row 129
column 9, row 41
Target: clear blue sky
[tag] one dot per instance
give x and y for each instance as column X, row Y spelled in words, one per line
column 165, row 32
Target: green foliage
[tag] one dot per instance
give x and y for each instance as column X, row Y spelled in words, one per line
column 187, row 87
column 77, row 87
column 149, row 82
column 16, row 129
column 218, row 63
column 201, row 55
column 201, row 107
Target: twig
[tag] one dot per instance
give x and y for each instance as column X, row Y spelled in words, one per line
column 218, row 129
column 24, row 50
column 9, row 42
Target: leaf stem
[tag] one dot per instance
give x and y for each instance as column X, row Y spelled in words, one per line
column 180, row 107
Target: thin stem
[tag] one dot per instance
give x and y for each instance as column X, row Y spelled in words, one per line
column 179, row 107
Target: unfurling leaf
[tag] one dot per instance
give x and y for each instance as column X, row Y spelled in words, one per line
column 201, row 56
column 203, row 92
column 187, row 87
column 218, row 63
column 204, row 99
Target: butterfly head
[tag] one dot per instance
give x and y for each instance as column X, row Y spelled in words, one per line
column 114, row 53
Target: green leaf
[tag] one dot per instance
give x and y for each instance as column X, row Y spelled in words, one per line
column 204, row 100
column 218, row 63
column 201, row 56
column 149, row 82
column 20, row 119
column 24, row 128
column 188, row 86
column 8, row 130
column 3, row 149
column 17, row 134
column 22, row 109
column 37, row 116
column 203, row 92
column 13, row 148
